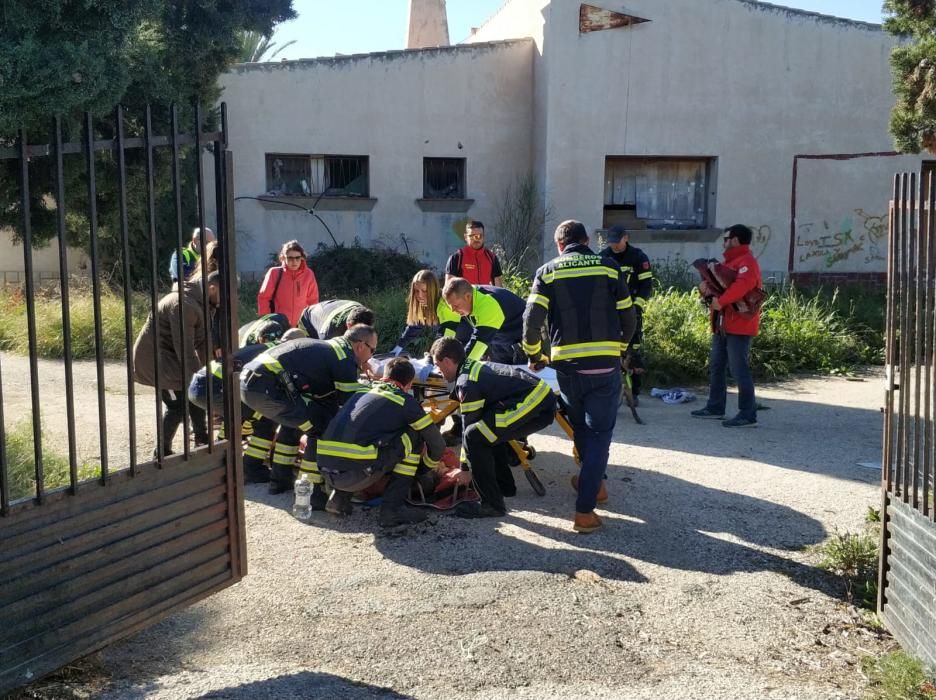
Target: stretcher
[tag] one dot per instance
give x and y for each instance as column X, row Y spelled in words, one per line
column 434, row 394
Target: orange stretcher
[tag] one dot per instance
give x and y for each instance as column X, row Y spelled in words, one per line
column 435, row 398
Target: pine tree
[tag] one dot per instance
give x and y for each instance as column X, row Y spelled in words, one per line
column 913, row 62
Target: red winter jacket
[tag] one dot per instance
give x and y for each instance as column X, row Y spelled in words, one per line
column 740, row 258
column 293, row 292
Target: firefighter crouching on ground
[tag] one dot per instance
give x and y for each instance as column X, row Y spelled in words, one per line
column 496, row 318
column 584, row 301
column 499, row 403
column 299, row 385
column 378, row 432
column 266, row 329
column 635, row 266
column 330, row 319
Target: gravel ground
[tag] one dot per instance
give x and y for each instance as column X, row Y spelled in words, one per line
column 703, row 583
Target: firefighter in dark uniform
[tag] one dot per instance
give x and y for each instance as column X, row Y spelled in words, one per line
column 496, row 318
column 330, row 319
column 299, row 386
column 380, row 432
column 499, row 403
column 585, row 303
column 198, row 387
column 266, row 329
column 635, row 265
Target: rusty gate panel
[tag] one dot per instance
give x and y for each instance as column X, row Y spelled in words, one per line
column 88, row 564
column 907, row 578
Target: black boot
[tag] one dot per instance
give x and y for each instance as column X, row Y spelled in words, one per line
column 319, row 498
column 281, row 479
column 254, row 471
column 394, row 509
column 339, row 503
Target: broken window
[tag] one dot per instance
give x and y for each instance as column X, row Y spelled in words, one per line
column 443, row 178
column 308, row 175
column 657, row 193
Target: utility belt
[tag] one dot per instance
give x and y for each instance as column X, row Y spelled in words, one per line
column 283, row 378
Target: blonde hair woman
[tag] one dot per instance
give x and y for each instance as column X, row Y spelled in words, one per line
column 426, row 309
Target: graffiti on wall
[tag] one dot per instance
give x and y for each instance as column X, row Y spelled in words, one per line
column 761, row 239
column 861, row 237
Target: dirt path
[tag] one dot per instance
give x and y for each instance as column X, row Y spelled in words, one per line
column 702, row 585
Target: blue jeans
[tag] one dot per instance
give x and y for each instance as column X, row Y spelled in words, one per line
column 731, row 351
column 591, row 403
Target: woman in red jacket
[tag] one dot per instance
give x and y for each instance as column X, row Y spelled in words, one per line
column 290, row 287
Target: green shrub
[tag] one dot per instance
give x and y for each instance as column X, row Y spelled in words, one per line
column 854, row 559
column 389, row 307
column 676, row 338
column 344, row 272
column 897, row 676
column 22, row 464
column 674, row 273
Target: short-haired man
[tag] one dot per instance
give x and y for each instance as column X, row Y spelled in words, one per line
column 266, row 329
column 496, row 318
column 330, row 319
column 378, row 432
column 583, row 299
column 499, row 403
column 474, row 262
column 191, row 254
column 635, row 266
column 180, row 350
column 732, row 334
column 299, row 385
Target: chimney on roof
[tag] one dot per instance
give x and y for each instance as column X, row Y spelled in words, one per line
column 428, row 24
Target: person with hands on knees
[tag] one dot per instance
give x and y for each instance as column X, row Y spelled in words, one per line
column 733, row 332
column 378, row 432
column 499, row 403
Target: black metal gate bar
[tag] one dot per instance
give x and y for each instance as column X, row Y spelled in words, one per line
column 896, row 216
column 928, row 281
column 66, row 308
column 96, row 291
column 209, row 335
column 154, row 281
column 128, row 297
column 31, row 317
column 177, row 195
column 916, row 349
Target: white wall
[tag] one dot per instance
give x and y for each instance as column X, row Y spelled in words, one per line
column 748, row 83
column 397, row 108
column 45, row 262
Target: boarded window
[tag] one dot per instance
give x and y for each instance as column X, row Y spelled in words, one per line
column 657, row 193
column 443, row 178
column 308, row 175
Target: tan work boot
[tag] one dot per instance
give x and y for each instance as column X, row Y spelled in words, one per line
column 586, row 522
column 602, row 490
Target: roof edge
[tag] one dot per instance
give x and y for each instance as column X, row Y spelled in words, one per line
column 818, row 16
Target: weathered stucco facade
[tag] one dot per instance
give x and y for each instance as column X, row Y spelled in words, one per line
column 677, row 126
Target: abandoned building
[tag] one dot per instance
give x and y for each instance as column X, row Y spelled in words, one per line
column 676, row 118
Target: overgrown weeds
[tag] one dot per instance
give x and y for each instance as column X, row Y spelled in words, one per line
column 853, row 557
column 897, row 676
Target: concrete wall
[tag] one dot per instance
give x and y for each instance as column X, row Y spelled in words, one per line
column 396, row 108
column 45, row 262
column 747, row 83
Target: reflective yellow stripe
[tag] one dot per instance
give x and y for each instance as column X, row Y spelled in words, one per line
column 624, row 304
column 469, row 406
column 255, row 452
column 422, row 423
column 407, row 443
column 645, row 275
column 607, row 348
column 429, row 462
column 477, row 352
column 538, row 299
column 215, row 368
column 259, row 442
column 311, row 468
column 486, row 431
column 574, row 272
column 306, row 426
column 347, row 450
column 532, row 400
column 270, row 363
column 411, row 458
column 448, row 333
column 640, row 301
column 338, row 346
column 385, row 393
column 532, row 349
column 289, row 460
column 350, row 387
column 635, row 346
column 287, row 449
column 405, row 469
column 347, row 306
column 474, row 371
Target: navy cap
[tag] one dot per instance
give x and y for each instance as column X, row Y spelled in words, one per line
column 616, row 233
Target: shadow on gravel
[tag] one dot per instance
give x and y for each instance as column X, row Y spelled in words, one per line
column 304, row 685
column 651, row 517
column 811, row 437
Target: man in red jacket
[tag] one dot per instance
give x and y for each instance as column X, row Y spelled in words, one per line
column 474, row 262
column 732, row 334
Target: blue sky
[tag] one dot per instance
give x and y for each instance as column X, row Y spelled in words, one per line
column 327, row 27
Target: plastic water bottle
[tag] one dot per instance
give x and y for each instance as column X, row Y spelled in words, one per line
column 302, row 508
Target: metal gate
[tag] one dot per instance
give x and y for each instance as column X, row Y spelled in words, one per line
column 86, row 564
column 907, row 581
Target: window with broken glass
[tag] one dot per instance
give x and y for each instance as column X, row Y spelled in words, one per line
column 311, row 175
column 443, row 178
column 657, row 193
